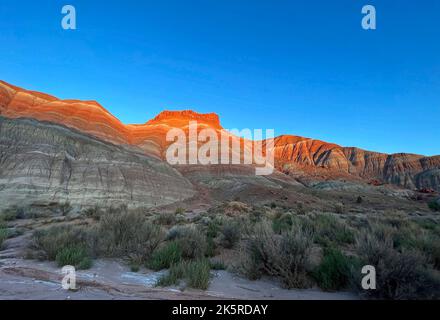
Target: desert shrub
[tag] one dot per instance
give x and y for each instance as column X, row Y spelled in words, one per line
column 166, row 256
column 300, row 209
column 211, row 247
column 282, row 223
column 3, row 236
column 284, row 256
column 429, row 225
column 213, row 228
column 134, row 267
column 166, row 218
column 230, row 234
column 128, row 234
column 191, row 240
column 49, row 242
column 400, row 274
column 256, row 215
column 331, row 230
column 196, row 273
column 430, row 245
column 434, row 205
column 334, row 271
column 386, row 229
column 75, row 255
column 174, row 274
column 393, row 218
column 235, row 208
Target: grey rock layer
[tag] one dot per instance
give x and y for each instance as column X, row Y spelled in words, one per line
column 43, row 163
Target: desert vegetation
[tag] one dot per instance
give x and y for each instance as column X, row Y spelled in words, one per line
column 295, row 246
column 3, row 234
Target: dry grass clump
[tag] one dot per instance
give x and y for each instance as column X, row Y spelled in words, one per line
column 330, row 230
column 335, row 270
column 191, row 240
column 196, row 273
column 230, row 234
column 128, row 234
column 166, row 218
column 118, row 233
column 4, row 234
column 284, row 256
column 67, row 244
column 47, row 243
column 234, row 208
column 401, row 273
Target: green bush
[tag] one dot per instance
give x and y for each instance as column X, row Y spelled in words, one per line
column 430, row 245
column 174, row 274
column 128, row 234
column 400, row 274
column 3, row 236
column 213, row 228
column 282, row 223
column 134, row 267
column 166, row 256
column 330, row 230
column 334, row 271
column 211, row 247
column 49, row 242
column 284, row 256
column 429, row 225
column 76, row 256
column 192, row 242
column 166, row 218
column 231, row 234
column 196, row 273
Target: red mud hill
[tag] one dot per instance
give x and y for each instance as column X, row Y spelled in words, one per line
column 293, row 154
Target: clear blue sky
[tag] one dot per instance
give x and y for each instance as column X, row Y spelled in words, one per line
column 300, row 67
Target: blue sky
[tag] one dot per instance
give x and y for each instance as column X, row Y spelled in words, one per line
column 301, row 67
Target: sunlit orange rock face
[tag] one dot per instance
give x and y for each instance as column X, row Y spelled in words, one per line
column 91, row 118
column 293, row 154
column 86, row 116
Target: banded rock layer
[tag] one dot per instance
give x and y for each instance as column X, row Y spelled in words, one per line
column 294, row 155
column 43, row 163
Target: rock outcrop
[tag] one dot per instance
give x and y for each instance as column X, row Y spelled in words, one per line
column 296, row 156
column 43, row 163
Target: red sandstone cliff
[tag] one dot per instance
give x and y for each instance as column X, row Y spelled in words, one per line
column 293, row 154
